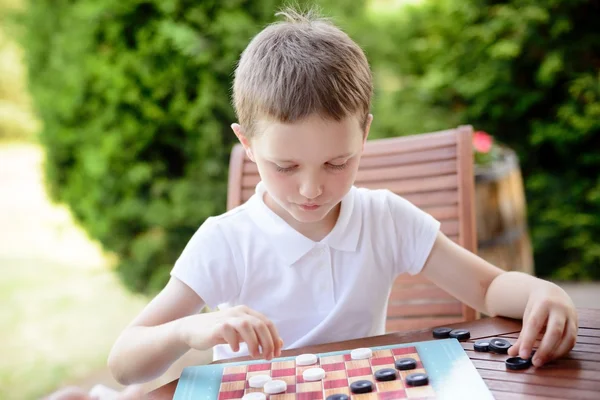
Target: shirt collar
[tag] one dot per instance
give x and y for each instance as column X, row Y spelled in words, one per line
column 290, row 244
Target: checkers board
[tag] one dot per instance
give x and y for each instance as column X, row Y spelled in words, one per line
column 451, row 375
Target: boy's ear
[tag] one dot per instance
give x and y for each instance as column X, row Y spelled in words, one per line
column 239, row 132
column 367, row 129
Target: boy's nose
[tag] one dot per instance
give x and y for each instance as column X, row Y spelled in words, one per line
column 311, row 190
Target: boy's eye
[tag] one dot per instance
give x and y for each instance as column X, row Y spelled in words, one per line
column 337, row 167
column 285, row 169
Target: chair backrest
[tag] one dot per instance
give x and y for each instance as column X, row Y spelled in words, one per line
column 434, row 171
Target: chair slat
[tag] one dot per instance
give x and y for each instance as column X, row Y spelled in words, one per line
column 424, row 309
column 406, row 324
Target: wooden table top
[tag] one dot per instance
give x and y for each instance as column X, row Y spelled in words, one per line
column 576, row 376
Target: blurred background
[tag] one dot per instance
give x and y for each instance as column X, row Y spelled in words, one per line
column 115, row 141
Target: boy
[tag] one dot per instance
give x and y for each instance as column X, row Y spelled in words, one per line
column 310, row 258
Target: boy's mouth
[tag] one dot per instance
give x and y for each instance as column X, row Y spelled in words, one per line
column 309, row 206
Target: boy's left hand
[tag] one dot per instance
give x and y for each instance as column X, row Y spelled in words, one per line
column 551, row 307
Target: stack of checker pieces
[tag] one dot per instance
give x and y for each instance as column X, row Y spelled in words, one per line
column 341, row 372
column 496, row 345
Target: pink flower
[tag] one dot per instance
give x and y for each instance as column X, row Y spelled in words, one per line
column 482, row 142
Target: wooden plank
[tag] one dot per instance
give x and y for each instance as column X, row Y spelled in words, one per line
column 396, row 309
column 538, row 390
column 572, row 355
column 573, row 374
column 450, row 227
column 516, row 396
column 580, row 339
column 533, row 379
column 411, row 143
column 432, row 198
column 415, row 185
column 422, row 169
column 589, row 318
column 589, row 332
column 408, row 324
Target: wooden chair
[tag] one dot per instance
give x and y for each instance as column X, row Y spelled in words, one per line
column 434, row 171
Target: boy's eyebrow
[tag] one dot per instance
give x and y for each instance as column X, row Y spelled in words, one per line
column 332, row 158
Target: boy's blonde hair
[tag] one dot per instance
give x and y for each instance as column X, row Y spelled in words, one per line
column 299, row 67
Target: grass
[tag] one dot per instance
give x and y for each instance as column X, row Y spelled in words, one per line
column 62, row 305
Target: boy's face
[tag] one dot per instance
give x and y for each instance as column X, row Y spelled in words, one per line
column 307, row 167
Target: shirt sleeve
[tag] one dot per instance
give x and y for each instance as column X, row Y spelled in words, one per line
column 207, row 266
column 416, row 232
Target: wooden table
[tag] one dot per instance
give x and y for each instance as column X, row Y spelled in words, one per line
column 576, row 376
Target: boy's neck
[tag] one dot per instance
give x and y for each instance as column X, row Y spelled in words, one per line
column 315, row 231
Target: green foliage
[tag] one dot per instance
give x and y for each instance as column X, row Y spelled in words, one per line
column 16, row 119
column 135, row 99
column 528, row 72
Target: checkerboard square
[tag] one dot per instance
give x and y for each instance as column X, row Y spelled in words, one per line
column 345, row 391
column 358, row 364
column 309, row 387
column 333, row 375
column 253, row 373
column 232, row 386
column 259, row 367
column 276, row 373
column 229, row 395
column 359, row 372
column 332, row 359
column 283, row 396
column 395, row 395
column 382, row 353
column 233, row 377
column 252, row 390
column 310, row 396
column 404, row 350
column 290, row 380
column 390, row 386
column 336, row 383
column 239, row 369
column 365, row 396
column 283, row 365
column 383, row 360
column 334, row 366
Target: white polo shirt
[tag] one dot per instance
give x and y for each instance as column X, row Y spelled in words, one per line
column 314, row 292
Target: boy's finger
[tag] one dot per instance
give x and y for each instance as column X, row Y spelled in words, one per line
column 264, row 337
column 245, row 329
column 568, row 341
column 531, row 329
column 231, row 337
column 514, row 349
column 554, row 333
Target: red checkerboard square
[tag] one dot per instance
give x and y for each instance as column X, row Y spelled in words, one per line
column 336, row 383
column 234, row 394
column 359, row 372
column 336, row 366
column 395, row 395
column 404, row 350
column 382, row 361
column 310, row 396
column 259, row 367
column 233, row 377
column 283, row 372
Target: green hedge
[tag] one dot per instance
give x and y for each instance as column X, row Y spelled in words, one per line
column 527, row 72
column 135, row 100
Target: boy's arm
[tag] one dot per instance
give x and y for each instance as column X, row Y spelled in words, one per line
column 493, row 291
column 170, row 325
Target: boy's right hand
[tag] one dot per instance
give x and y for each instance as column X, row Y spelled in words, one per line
column 232, row 326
